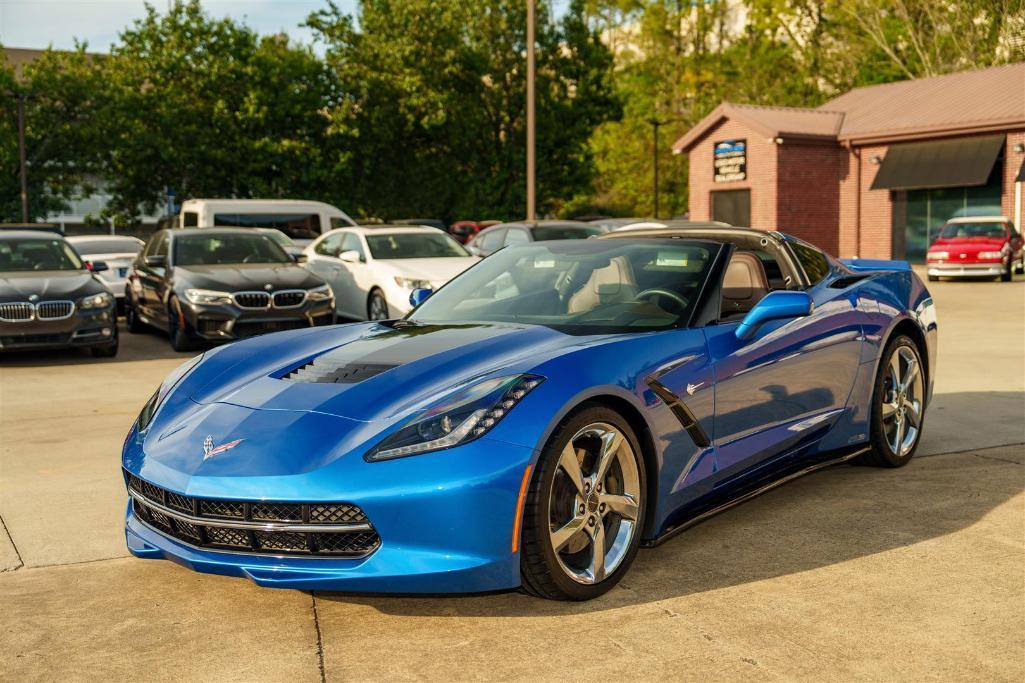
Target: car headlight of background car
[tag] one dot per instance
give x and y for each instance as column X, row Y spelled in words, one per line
column 207, row 296
column 172, row 379
column 408, row 283
column 940, row 255
column 991, row 254
column 462, row 416
column 101, row 300
column 322, row 293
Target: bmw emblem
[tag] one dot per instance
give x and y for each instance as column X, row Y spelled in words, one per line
column 33, row 297
column 268, row 286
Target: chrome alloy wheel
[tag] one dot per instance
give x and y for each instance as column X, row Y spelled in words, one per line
column 902, row 401
column 378, row 307
column 594, row 503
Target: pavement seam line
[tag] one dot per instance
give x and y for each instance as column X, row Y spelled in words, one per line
column 320, row 639
column 975, row 451
column 17, row 553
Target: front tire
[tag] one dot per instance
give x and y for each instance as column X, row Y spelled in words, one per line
column 585, row 508
column 898, row 405
column 178, row 328
column 377, row 305
column 1008, row 273
column 132, row 321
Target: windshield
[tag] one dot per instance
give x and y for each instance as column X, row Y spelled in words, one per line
column 399, row 245
column 952, row 230
column 584, row 287
column 37, row 254
column 298, row 226
column 217, row 249
column 565, row 232
column 111, row 246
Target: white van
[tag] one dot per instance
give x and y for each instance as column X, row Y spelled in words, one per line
column 301, row 220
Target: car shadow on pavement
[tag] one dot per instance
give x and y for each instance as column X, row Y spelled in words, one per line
column 148, row 345
column 830, row 517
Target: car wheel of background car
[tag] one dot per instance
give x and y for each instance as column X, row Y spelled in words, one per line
column 585, row 508
column 107, row 351
column 1008, row 273
column 135, row 325
column 933, row 278
column 898, row 405
column 178, row 328
column 377, row 307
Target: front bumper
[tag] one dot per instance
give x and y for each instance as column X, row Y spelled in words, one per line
column 84, row 328
column 445, row 522
column 224, row 322
column 992, row 269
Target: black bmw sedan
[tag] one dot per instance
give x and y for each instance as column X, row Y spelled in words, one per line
column 219, row 284
column 50, row 298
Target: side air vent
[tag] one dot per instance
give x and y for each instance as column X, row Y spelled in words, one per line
column 846, row 281
column 325, row 370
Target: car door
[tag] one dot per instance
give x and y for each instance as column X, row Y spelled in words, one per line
column 151, row 279
column 787, row 384
column 322, row 260
column 358, row 274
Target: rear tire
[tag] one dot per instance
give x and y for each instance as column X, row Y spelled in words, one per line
column 898, row 405
column 587, row 495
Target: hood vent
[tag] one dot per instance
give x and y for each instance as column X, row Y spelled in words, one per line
column 325, row 370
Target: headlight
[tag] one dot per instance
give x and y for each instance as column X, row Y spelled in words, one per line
column 463, row 416
column 939, row 254
column 101, row 300
column 991, row 254
column 322, row 293
column 407, row 283
column 207, row 296
column 176, row 375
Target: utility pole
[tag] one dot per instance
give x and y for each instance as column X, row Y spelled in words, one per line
column 21, row 158
column 531, row 199
column 655, row 123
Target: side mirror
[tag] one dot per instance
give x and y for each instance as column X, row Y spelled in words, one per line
column 96, row 266
column 419, row 295
column 350, row 256
column 156, row 261
column 299, row 257
column 774, row 306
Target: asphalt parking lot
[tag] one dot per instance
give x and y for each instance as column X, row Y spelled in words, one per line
column 852, row 572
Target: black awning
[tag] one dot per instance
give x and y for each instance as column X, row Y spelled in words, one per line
column 962, row 162
column 1021, row 174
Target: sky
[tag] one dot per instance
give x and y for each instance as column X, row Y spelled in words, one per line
column 57, row 23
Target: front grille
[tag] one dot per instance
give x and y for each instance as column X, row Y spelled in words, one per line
column 16, row 312
column 252, row 299
column 250, row 329
column 289, row 298
column 32, row 339
column 201, row 523
column 54, row 310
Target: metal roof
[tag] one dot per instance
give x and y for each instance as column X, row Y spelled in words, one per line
column 971, row 101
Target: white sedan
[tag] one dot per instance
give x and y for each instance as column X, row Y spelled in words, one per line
column 117, row 251
column 373, row 269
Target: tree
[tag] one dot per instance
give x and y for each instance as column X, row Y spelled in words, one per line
column 61, row 91
column 206, row 107
column 434, row 104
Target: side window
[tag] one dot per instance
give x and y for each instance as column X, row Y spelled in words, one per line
column 352, row 242
column 813, row 261
column 339, row 222
column 515, row 236
column 329, row 245
column 190, row 219
column 490, row 241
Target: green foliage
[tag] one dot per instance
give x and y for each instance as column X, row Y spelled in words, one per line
column 434, row 105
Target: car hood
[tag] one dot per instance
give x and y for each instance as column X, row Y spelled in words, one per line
column 437, row 271
column 370, row 372
column 48, row 285
column 243, row 277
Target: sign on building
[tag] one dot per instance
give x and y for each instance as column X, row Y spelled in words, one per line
column 730, row 160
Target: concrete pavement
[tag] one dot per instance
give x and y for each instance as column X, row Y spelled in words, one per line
column 850, row 573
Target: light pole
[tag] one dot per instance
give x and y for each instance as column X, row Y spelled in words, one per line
column 21, row 158
column 655, row 124
column 531, row 203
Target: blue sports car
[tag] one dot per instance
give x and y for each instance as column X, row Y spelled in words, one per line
column 535, row 421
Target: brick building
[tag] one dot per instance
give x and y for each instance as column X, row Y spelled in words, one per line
column 872, row 173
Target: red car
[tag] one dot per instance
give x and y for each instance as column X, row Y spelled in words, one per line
column 463, row 231
column 976, row 246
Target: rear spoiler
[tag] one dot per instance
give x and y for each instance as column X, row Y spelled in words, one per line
column 863, row 265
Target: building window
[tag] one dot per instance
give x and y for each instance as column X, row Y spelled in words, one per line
column 732, row 206
column 925, row 211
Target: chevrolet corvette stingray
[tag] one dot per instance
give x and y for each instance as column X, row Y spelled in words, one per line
column 535, row 421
